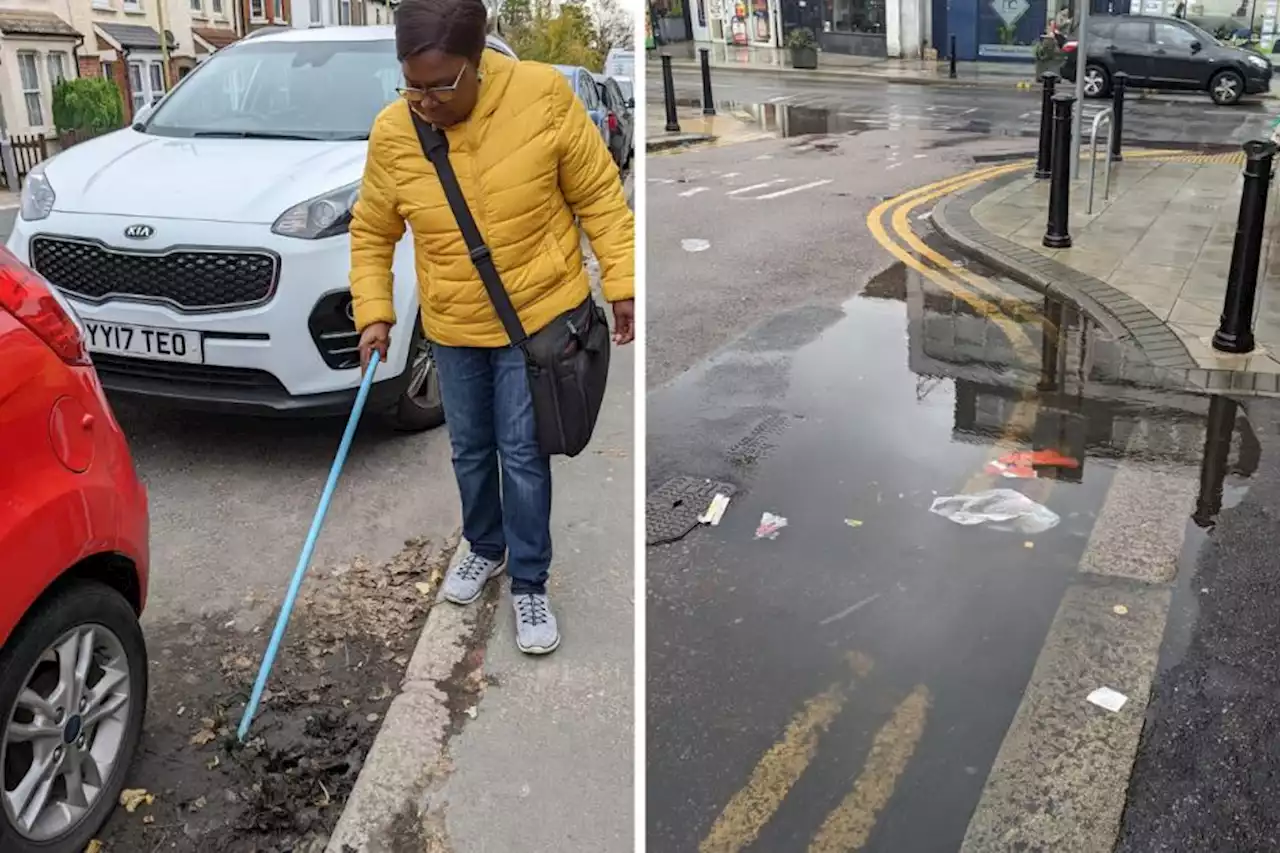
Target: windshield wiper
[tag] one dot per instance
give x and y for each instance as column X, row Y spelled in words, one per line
column 254, row 134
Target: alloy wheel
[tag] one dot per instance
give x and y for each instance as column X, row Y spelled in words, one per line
column 1093, row 82
column 1225, row 89
column 63, row 736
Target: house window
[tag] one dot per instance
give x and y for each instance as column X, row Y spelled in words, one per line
column 344, row 12
column 57, row 68
column 137, row 94
column 108, row 71
column 157, row 82
column 197, row 6
column 315, row 13
column 279, row 16
column 217, row 7
column 29, row 71
column 133, row 5
column 257, row 9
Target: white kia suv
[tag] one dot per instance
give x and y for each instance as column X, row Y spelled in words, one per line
column 206, row 246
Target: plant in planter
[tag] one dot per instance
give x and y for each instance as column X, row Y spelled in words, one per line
column 803, row 47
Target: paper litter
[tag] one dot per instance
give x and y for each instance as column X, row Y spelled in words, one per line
column 715, row 510
column 1105, row 697
column 769, row 526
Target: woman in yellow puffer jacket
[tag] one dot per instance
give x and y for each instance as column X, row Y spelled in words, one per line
column 529, row 161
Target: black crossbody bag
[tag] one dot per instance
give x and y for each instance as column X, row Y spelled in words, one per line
column 567, row 362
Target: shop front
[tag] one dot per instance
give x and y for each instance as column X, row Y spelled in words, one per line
column 853, row 27
column 994, row 30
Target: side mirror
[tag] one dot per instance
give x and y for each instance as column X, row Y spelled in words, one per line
column 631, row 103
column 140, row 115
column 1196, row 47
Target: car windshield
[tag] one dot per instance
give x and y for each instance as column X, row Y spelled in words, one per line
column 325, row 90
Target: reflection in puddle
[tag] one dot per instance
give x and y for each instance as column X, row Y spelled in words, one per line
column 1096, row 399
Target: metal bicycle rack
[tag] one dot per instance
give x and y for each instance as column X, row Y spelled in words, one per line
column 1104, row 116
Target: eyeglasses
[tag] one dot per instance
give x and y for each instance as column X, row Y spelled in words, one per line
column 438, row 94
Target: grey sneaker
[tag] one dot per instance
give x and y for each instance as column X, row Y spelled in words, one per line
column 465, row 580
column 536, row 631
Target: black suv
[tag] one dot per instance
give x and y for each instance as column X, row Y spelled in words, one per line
column 1166, row 53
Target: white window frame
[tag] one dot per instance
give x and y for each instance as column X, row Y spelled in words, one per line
column 102, row 4
column 257, row 10
column 137, row 88
column 132, row 6
column 60, row 59
column 197, row 8
column 155, row 82
column 344, row 12
column 277, row 11
column 31, row 91
column 217, row 8
column 316, row 9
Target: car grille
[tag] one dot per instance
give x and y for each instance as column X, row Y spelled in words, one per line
column 188, row 279
column 112, row 366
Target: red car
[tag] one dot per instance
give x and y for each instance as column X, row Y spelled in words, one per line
column 73, row 579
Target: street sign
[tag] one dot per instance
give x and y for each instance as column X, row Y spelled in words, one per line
column 1010, row 11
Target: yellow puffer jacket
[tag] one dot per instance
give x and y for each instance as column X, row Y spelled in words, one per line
column 529, row 160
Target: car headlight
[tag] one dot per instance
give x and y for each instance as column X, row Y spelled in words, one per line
column 323, row 216
column 1257, row 61
column 37, row 198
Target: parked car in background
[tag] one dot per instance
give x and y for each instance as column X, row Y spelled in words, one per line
column 73, row 535
column 233, row 295
column 619, row 119
column 584, row 85
column 1166, row 53
column 620, row 63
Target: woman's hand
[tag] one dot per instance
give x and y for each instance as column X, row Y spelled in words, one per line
column 376, row 336
column 624, row 321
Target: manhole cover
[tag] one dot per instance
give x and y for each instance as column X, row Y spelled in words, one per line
column 757, row 444
column 672, row 509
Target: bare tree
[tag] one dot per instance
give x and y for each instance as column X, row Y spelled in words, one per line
column 615, row 24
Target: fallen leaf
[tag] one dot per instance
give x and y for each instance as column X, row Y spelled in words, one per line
column 149, row 819
column 424, row 588
column 95, row 846
column 1028, row 544
column 373, row 718
column 198, row 803
column 203, row 737
column 1120, row 610
column 853, row 522
column 212, row 763
column 472, row 712
column 131, row 798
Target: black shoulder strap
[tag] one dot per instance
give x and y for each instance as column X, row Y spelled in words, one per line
column 435, row 146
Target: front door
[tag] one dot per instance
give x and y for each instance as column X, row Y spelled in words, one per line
column 1173, row 62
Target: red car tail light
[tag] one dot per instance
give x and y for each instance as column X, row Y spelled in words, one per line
column 613, row 123
column 1069, row 47
column 30, row 299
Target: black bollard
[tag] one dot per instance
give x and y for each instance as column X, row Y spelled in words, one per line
column 1051, row 338
column 1218, row 428
column 669, row 95
column 1118, row 83
column 1045, row 153
column 708, row 105
column 1235, row 329
column 1056, row 235
column 952, row 73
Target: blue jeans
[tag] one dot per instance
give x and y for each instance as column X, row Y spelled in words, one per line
column 489, row 410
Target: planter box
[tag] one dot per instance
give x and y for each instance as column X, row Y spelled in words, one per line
column 804, row 57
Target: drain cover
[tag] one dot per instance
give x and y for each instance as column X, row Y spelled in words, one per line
column 672, row 509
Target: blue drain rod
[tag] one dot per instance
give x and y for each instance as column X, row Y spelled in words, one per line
column 304, row 560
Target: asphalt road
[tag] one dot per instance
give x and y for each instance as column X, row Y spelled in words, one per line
column 877, row 677
column 966, row 114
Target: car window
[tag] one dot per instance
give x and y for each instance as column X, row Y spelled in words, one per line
column 310, row 90
column 1133, row 31
column 625, row 87
column 1102, row 27
column 590, row 93
column 1172, row 35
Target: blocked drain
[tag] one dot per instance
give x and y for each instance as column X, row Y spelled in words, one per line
column 758, row 443
column 672, row 509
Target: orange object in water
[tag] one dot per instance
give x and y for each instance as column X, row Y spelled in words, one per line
column 1022, row 464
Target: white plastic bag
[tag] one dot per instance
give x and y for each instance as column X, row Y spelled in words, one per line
column 1002, row 509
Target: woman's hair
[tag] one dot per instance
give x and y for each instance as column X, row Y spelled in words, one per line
column 456, row 27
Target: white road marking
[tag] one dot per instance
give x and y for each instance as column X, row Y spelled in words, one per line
column 728, row 175
column 757, row 186
column 662, row 180
column 848, row 611
column 694, row 244
column 780, row 99
column 693, row 191
column 791, row 190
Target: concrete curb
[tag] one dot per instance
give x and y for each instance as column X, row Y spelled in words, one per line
column 1120, row 314
column 385, row 812
column 680, row 140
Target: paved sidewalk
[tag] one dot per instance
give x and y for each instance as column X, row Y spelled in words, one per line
column 767, row 59
column 1152, row 259
column 725, row 127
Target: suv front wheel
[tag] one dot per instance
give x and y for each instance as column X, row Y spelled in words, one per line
column 1226, row 87
column 420, row 407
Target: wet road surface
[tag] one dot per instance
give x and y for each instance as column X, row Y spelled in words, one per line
column 854, row 106
column 878, row 677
